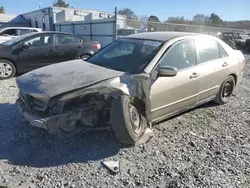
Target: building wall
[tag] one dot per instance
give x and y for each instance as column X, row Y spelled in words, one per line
column 73, row 14
column 40, row 19
column 47, row 17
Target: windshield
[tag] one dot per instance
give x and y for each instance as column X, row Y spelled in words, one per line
column 127, row 55
column 15, row 39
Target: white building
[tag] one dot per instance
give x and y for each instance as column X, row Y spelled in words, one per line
column 46, row 18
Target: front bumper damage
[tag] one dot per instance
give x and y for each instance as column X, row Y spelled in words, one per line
column 50, row 123
column 84, row 109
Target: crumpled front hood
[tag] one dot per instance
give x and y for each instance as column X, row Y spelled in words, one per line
column 59, row 78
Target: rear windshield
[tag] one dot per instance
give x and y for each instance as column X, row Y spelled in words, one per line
column 127, row 55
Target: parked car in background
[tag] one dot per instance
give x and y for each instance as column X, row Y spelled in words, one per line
column 10, row 32
column 35, row 50
column 132, row 83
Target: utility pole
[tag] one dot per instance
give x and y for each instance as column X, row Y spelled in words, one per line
column 39, row 4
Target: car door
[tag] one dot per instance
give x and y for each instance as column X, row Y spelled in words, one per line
column 37, row 51
column 213, row 63
column 170, row 95
column 68, row 47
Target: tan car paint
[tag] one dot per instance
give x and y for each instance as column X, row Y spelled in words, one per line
column 171, row 95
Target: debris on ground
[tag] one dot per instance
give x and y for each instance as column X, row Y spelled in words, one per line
column 114, row 166
column 146, row 137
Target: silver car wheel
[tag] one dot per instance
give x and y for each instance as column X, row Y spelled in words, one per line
column 5, row 70
column 85, row 57
column 135, row 119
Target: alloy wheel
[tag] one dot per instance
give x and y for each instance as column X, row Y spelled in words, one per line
column 5, row 70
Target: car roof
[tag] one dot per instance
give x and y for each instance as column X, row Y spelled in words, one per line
column 161, row 36
column 22, row 28
column 48, row 32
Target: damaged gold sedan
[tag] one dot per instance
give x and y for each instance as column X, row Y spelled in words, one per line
column 132, row 83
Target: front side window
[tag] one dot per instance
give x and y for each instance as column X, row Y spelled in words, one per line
column 208, row 50
column 127, row 55
column 67, row 39
column 181, row 55
column 39, row 41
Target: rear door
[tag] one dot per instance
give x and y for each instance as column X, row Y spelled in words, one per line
column 37, row 51
column 170, row 95
column 213, row 63
column 68, row 47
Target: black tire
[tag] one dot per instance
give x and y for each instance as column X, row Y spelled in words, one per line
column 125, row 130
column 226, row 91
column 7, row 65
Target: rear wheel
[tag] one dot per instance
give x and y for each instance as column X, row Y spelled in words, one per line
column 127, row 120
column 85, row 57
column 7, row 69
column 225, row 91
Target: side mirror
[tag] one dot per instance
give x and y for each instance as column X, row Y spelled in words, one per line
column 25, row 47
column 167, row 71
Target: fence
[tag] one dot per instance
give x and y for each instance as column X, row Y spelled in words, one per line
column 107, row 30
column 136, row 26
column 9, row 24
column 103, row 31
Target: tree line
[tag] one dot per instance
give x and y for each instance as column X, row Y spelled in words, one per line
column 198, row 19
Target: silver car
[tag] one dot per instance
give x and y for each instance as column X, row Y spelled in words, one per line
column 131, row 84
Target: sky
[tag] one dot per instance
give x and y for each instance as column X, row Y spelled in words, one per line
column 228, row 10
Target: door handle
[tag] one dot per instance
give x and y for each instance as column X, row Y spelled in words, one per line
column 52, row 50
column 194, row 75
column 79, row 47
column 224, row 64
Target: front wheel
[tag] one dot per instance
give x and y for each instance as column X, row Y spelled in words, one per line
column 7, row 69
column 127, row 120
column 226, row 91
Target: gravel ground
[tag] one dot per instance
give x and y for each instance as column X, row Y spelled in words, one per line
column 206, row 147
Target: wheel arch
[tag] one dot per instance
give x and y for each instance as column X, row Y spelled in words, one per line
column 234, row 76
column 87, row 52
column 10, row 60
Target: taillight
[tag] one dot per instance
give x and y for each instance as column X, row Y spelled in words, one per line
column 96, row 45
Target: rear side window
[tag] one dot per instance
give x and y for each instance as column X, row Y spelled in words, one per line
column 67, row 39
column 23, row 31
column 223, row 52
column 207, row 49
